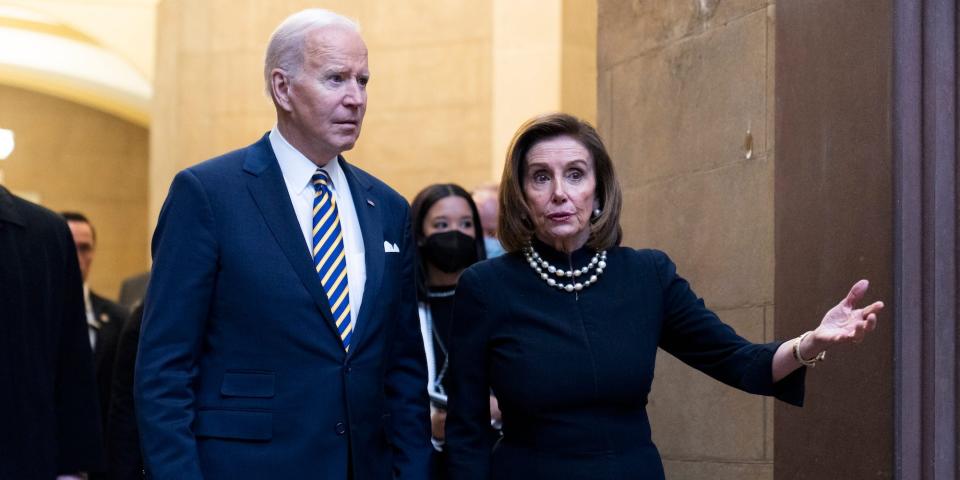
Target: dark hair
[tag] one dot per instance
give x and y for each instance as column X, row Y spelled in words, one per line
column 515, row 227
column 418, row 212
column 81, row 218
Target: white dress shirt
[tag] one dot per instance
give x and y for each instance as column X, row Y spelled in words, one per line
column 297, row 173
column 92, row 324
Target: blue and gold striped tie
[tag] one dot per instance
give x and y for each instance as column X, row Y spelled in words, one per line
column 329, row 255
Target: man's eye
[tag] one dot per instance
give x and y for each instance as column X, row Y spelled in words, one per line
column 363, row 81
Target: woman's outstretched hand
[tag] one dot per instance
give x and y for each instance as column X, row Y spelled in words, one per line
column 844, row 323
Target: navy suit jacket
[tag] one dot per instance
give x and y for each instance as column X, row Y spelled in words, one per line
column 240, row 371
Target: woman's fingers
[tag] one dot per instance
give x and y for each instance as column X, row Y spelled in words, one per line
column 856, row 293
column 872, row 308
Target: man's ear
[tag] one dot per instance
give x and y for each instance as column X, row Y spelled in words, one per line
column 280, row 88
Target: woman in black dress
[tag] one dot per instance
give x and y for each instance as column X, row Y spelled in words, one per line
column 449, row 237
column 565, row 328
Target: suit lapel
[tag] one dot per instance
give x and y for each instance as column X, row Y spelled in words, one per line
column 269, row 193
column 372, row 230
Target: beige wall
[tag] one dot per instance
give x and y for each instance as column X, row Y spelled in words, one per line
column 428, row 118
column 451, row 81
column 578, row 67
column 71, row 157
column 680, row 86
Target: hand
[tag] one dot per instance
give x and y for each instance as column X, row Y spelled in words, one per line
column 844, row 323
column 438, row 420
column 495, row 414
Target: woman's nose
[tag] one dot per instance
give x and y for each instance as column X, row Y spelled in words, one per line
column 559, row 194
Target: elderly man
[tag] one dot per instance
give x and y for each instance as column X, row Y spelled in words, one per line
column 280, row 336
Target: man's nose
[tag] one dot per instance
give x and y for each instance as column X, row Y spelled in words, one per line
column 355, row 94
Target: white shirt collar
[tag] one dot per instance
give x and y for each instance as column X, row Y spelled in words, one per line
column 297, row 169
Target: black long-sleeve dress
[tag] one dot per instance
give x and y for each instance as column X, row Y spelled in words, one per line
column 572, row 370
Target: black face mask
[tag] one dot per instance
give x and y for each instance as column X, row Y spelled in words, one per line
column 450, row 251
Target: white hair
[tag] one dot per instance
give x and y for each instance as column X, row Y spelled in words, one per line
column 285, row 50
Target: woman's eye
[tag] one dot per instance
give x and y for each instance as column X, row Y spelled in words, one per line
column 540, row 177
column 576, row 175
column 440, row 225
column 466, row 224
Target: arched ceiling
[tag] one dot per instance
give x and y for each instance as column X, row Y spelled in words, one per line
column 94, row 52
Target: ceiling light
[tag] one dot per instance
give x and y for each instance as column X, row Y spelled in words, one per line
column 6, row 143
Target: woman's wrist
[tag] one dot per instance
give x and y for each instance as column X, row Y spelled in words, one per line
column 807, row 350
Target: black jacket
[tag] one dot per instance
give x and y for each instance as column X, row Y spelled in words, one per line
column 123, row 439
column 49, row 419
column 110, row 319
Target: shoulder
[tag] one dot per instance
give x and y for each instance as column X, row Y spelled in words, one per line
column 646, row 260
column 491, row 274
column 642, row 255
column 42, row 224
column 385, row 193
column 228, row 162
column 36, row 216
column 107, row 306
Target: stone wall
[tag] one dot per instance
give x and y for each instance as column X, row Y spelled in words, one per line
column 71, row 157
column 686, row 107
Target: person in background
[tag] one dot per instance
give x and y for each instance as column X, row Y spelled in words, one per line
column 49, row 417
column 133, row 289
column 485, row 197
column 447, row 231
column 104, row 318
column 565, row 327
column 280, row 335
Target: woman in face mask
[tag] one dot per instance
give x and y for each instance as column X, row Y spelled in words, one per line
column 447, row 229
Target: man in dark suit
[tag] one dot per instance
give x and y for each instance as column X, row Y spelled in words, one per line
column 280, row 336
column 104, row 318
column 49, row 420
column 122, row 437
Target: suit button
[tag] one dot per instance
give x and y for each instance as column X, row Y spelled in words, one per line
column 349, row 369
column 340, row 428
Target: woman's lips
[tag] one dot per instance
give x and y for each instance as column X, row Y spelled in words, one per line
column 559, row 217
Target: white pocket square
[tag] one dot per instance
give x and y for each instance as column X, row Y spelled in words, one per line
column 390, row 247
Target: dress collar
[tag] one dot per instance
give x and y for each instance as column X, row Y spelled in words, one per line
column 578, row 258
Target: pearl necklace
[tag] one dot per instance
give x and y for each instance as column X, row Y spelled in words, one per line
column 545, row 270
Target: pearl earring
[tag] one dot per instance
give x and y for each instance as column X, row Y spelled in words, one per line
column 596, row 212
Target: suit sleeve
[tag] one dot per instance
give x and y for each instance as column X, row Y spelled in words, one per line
column 406, row 375
column 185, row 257
column 468, row 384
column 695, row 335
column 78, row 411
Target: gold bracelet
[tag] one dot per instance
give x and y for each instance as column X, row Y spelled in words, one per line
column 807, row 363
